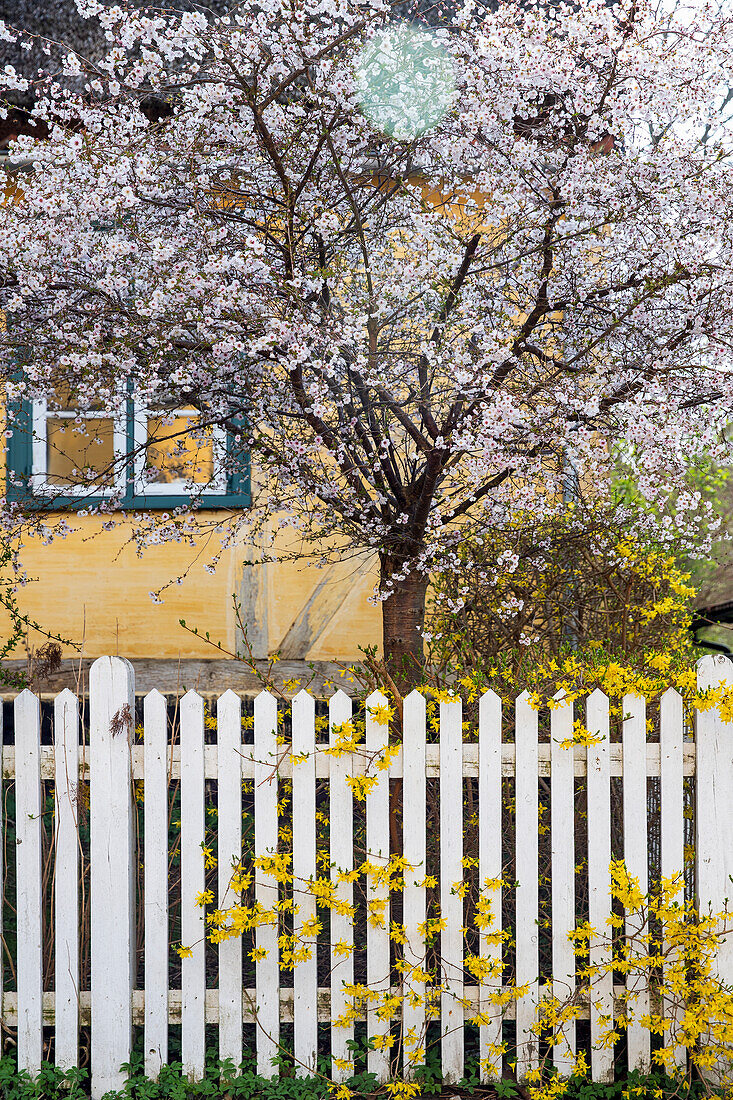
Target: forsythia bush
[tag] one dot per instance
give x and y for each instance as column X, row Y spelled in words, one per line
column 568, row 602
column 573, row 607
column 666, row 967
column 666, row 964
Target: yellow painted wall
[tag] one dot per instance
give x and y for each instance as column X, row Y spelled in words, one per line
column 93, row 588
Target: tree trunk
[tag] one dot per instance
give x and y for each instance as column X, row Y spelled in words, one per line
column 403, row 616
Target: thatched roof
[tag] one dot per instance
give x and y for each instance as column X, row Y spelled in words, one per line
column 60, row 20
column 54, row 19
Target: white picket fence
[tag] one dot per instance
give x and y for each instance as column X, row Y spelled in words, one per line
column 113, row 1006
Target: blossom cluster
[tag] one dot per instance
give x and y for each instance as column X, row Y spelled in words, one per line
column 410, row 335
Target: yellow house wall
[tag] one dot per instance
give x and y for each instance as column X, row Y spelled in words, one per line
column 94, row 589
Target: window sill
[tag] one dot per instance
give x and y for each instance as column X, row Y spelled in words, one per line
column 155, row 502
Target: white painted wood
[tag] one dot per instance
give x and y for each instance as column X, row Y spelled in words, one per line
column 636, row 859
column 599, row 859
column 341, row 851
column 305, row 976
column 3, row 752
column 714, row 841
column 671, row 786
column 414, row 851
column 451, row 901
column 229, row 857
column 470, row 762
column 672, row 824
column 193, row 926
column 28, row 872
column 212, row 1005
column 113, row 869
column 267, row 976
column 155, row 721
column 112, row 1002
column 490, row 871
column 66, row 880
column 562, row 842
column 527, row 946
column 377, row 840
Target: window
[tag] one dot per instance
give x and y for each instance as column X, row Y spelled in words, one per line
column 174, row 457
column 75, row 455
column 57, row 456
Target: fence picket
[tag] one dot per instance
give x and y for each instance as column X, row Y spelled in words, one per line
column 114, row 762
column 305, row 974
column 229, row 857
column 490, row 871
column 341, row 834
column 377, row 841
column 599, row 859
column 2, row 856
column 562, row 843
column 29, row 870
column 66, row 884
column 414, row 853
column 113, row 869
column 527, row 855
column 193, row 882
column 672, row 824
column 266, row 888
column 156, row 882
column 636, row 859
column 714, row 848
column 451, row 897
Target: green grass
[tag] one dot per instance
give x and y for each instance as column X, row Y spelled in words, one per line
column 224, row 1082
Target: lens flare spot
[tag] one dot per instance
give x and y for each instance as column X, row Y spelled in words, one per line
column 405, row 81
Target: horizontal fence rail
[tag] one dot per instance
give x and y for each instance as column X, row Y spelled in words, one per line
column 356, row 764
column 126, row 829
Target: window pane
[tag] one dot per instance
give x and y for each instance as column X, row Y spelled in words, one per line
column 176, row 453
column 76, row 454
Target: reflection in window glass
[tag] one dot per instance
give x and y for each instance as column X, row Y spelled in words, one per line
column 176, row 453
column 78, row 453
column 142, row 455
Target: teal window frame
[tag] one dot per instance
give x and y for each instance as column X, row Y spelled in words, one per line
column 19, row 486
